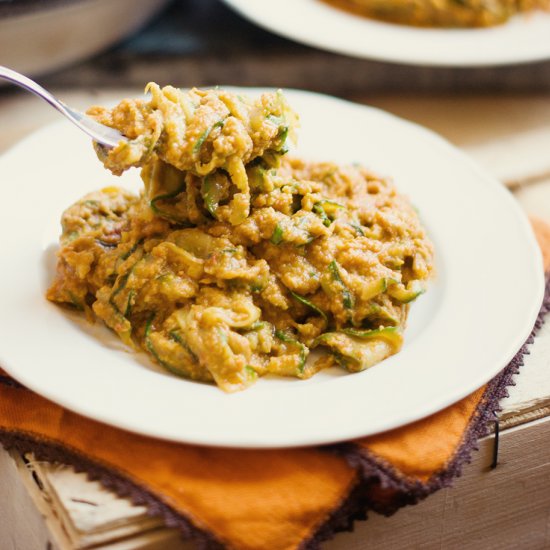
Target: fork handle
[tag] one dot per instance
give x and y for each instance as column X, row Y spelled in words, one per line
column 31, row 86
column 108, row 137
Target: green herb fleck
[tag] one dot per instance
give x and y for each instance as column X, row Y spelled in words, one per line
column 204, row 136
column 277, row 236
column 309, row 304
column 303, row 350
column 347, row 296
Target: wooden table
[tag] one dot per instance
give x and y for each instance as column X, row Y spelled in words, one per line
column 50, row 506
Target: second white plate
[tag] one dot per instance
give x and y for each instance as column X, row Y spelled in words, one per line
column 463, row 331
column 524, row 39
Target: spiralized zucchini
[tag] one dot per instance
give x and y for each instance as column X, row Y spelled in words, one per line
column 236, row 262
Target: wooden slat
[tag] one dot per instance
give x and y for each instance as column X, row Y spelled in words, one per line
column 90, row 515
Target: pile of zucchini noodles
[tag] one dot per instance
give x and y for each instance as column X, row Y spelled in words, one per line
column 236, row 261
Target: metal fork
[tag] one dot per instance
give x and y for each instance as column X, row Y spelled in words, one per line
column 108, row 137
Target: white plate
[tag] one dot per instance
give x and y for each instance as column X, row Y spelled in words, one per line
column 462, row 332
column 523, row 39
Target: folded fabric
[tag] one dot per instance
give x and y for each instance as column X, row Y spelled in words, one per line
column 260, row 499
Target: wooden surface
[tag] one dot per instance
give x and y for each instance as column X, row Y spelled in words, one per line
column 506, row 508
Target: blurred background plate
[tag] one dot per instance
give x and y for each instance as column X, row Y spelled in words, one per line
column 38, row 36
column 525, row 38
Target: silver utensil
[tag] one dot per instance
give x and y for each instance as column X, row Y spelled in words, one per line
column 108, row 137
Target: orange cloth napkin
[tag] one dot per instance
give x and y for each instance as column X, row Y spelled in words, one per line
column 275, row 499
